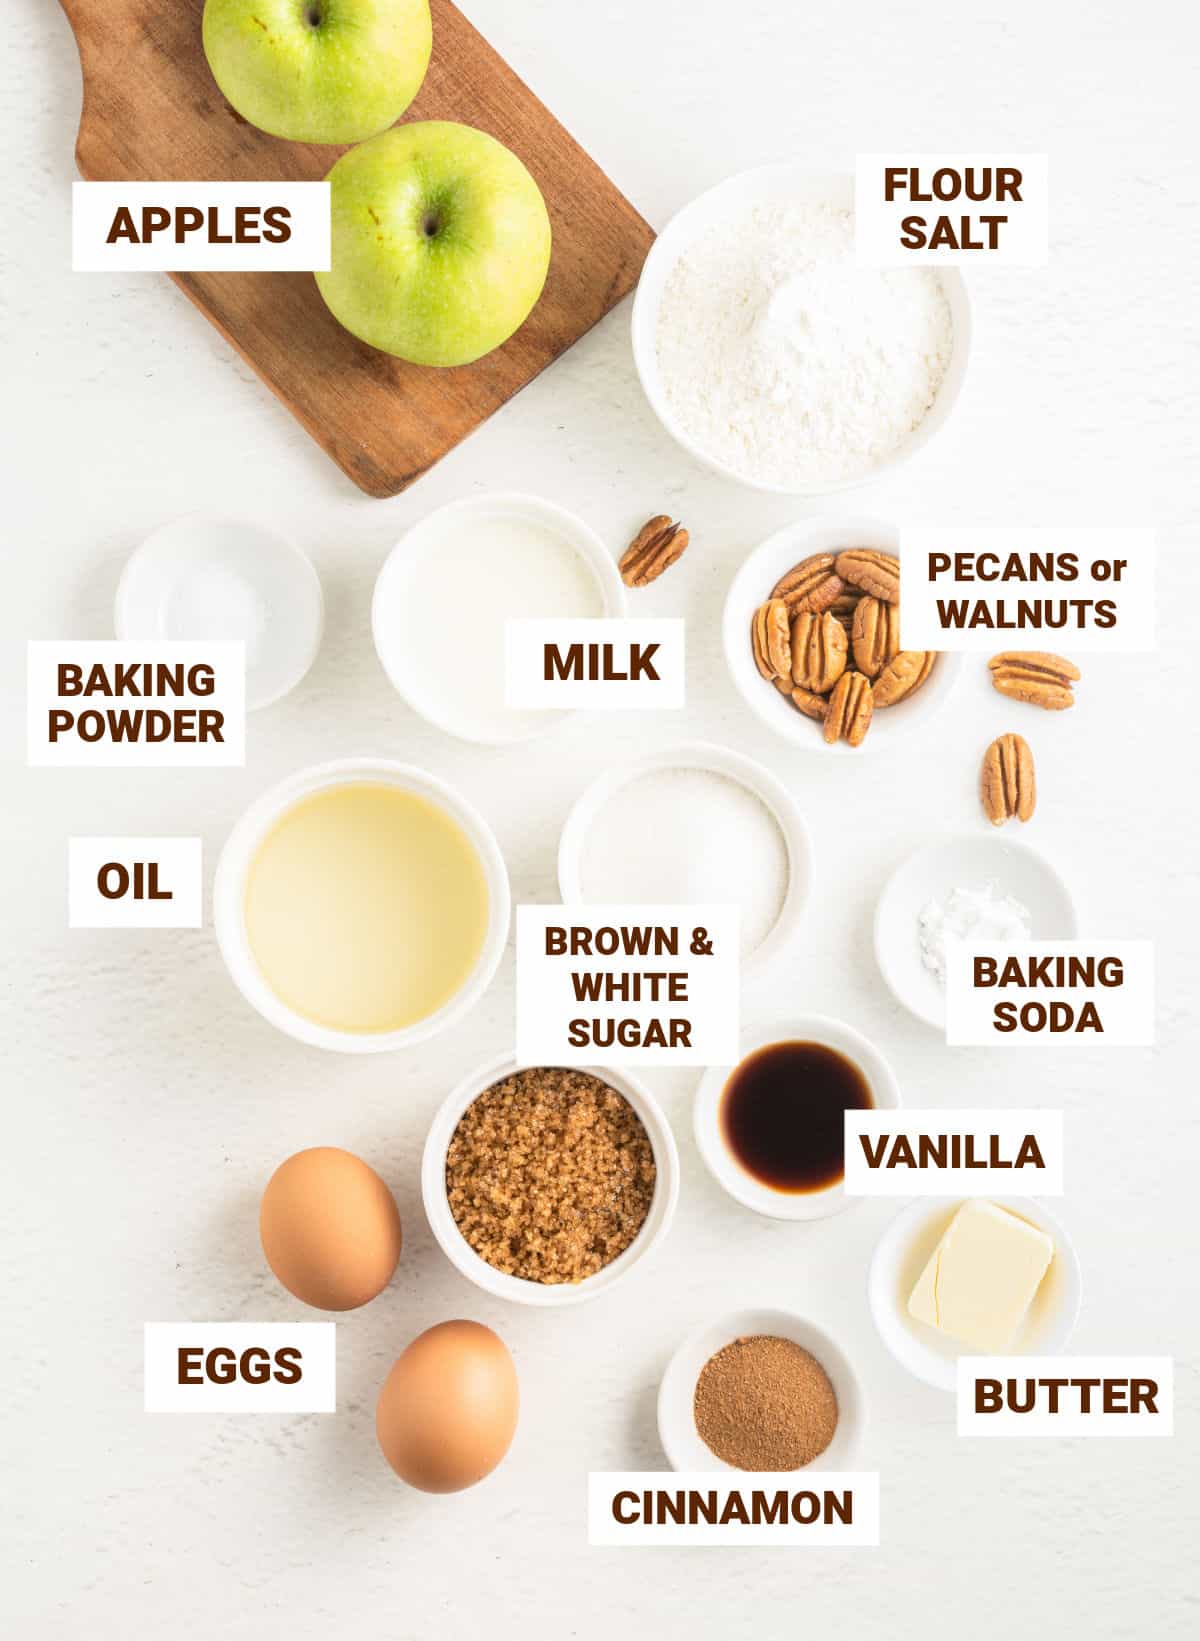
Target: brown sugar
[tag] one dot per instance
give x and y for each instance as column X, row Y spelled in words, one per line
column 764, row 1403
column 550, row 1175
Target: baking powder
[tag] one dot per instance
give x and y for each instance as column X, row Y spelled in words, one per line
column 785, row 360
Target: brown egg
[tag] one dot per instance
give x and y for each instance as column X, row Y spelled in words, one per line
column 448, row 1409
column 330, row 1228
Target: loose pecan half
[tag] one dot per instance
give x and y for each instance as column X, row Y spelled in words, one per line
column 657, row 545
column 1007, row 785
column 1034, row 676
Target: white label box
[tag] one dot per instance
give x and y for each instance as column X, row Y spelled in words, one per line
column 1111, row 1396
column 916, row 209
column 822, row 1509
column 240, row 1367
column 151, row 704
column 614, row 664
column 627, row 985
column 995, row 1151
column 1050, row 993
column 134, row 883
column 200, row 227
column 985, row 589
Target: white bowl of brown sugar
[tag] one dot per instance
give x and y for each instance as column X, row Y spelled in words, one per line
column 547, row 1184
column 760, row 1390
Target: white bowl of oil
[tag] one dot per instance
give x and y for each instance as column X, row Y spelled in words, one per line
column 361, row 905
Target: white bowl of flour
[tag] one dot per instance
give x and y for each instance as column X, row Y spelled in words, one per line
column 772, row 357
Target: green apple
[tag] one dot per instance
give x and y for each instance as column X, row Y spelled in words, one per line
column 318, row 70
column 441, row 243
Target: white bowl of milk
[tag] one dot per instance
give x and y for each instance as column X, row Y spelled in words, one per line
column 451, row 584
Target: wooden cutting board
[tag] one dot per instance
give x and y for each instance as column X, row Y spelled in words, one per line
column 152, row 111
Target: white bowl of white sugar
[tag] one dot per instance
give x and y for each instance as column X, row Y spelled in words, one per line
column 693, row 824
column 773, row 358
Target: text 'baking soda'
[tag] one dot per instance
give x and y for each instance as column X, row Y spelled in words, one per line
column 1050, row 992
column 627, row 985
column 111, row 703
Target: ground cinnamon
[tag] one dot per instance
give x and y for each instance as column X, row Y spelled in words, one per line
column 764, row 1403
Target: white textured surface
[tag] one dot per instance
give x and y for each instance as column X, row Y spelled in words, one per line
column 146, row 1105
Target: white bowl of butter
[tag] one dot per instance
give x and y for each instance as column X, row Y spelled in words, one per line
column 970, row 1277
column 361, row 905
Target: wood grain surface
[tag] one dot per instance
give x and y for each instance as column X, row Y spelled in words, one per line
column 152, row 111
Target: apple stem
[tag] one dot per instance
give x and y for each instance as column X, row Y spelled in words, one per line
column 430, row 224
column 313, row 15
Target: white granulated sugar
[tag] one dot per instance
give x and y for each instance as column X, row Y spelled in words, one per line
column 678, row 836
column 785, row 360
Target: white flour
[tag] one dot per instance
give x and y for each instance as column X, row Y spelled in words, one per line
column 784, row 359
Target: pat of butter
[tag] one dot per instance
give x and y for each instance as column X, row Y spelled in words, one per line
column 981, row 1278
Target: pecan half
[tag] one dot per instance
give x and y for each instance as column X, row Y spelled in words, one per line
column 812, row 706
column 818, row 651
column 810, row 585
column 850, row 707
column 875, row 635
column 771, row 638
column 1034, row 676
column 657, row 545
column 903, row 674
column 1007, row 784
column 875, row 572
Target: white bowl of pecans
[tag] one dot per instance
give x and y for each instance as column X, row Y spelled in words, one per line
column 812, row 633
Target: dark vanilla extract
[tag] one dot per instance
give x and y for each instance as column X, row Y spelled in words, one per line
column 781, row 1114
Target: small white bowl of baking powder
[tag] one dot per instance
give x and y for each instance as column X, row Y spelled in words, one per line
column 773, row 357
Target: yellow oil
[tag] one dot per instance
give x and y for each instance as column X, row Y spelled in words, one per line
column 366, row 907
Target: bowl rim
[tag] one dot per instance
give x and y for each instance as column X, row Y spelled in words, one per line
column 760, row 1199
column 984, row 840
column 416, row 540
column 715, row 759
column 229, row 906
column 751, row 583
column 682, row 1443
column 546, row 1296
column 150, row 550
column 926, row 1364
column 681, row 230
